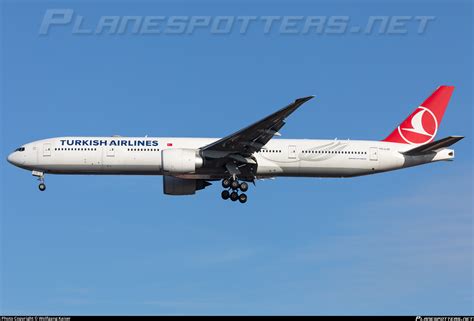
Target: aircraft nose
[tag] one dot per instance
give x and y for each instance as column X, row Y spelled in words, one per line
column 11, row 159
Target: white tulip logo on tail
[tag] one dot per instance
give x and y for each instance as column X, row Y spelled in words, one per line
column 422, row 124
column 420, row 128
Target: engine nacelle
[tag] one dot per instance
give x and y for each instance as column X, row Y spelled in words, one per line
column 180, row 160
column 179, row 186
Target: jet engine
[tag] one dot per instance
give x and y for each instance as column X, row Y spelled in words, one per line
column 179, row 186
column 180, row 160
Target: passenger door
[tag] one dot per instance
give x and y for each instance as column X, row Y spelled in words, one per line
column 374, row 156
column 110, row 158
column 292, row 152
column 47, row 149
column 110, row 151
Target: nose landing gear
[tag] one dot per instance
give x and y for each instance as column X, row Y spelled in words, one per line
column 40, row 175
column 231, row 184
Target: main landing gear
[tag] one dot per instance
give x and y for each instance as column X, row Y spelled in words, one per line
column 231, row 187
column 40, row 175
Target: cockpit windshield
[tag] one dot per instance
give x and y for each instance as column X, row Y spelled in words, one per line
column 20, row 149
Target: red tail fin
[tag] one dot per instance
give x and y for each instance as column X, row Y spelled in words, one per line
column 422, row 125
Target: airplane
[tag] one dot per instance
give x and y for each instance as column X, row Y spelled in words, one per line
column 252, row 153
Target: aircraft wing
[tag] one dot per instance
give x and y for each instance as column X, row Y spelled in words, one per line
column 251, row 139
column 433, row 146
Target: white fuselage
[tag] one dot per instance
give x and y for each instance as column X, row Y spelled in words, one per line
column 279, row 157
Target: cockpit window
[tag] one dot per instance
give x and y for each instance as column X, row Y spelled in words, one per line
column 20, row 149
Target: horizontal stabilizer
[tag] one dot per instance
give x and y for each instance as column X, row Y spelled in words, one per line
column 434, row 146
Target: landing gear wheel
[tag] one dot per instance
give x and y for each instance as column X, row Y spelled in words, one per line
column 226, row 183
column 234, row 196
column 244, row 186
column 42, row 187
column 225, row 195
column 234, row 185
column 242, row 198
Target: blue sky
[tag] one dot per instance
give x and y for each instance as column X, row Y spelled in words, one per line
column 395, row 243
